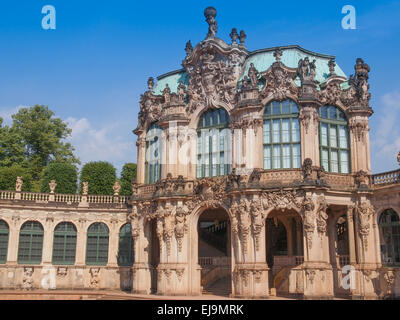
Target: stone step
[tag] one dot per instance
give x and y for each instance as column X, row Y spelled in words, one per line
column 221, row 287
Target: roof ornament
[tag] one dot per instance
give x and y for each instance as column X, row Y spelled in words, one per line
column 398, row 158
column 253, row 75
column 242, row 37
column 234, row 35
column 306, row 70
column 210, row 13
column 150, row 83
column 189, row 48
column 332, row 65
column 278, row 54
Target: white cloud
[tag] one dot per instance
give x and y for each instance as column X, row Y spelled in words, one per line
column 104, row 144
column 385, row 135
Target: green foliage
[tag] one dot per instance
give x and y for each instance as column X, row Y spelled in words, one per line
column 128, row 173
column 8, row 177
column 100, row 175
column 41, row 136
column 65, row 174
column 12, row 149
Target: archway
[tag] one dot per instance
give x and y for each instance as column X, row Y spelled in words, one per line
column 284, row 247
column 214, row 251
column 154, row 253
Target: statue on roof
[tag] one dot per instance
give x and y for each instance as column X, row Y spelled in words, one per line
column 188, row 48
column 167, row 93
column 234, row 35
column 253, row 75
column 306, row 69
column 181, row 91
column 210, row 13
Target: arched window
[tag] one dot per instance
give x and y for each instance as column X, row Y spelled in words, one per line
column 97, row 244
column 334, row 140
column 4, row 232
column 64, row 243
column 389, row 225
column 125, row 248
column 213, row 144
column 30, row 243
column 281, row 135
column 153, row 154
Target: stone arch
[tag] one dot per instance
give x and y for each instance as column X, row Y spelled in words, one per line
column 193, row 221
column 195, row 117
column 269, row 99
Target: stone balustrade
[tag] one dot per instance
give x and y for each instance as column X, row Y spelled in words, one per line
column 386, row 178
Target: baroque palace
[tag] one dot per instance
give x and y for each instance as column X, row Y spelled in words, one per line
column 254, row 180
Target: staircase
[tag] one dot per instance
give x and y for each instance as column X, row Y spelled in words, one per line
column 221, row 287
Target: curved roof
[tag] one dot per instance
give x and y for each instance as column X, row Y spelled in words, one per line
column 262, row 60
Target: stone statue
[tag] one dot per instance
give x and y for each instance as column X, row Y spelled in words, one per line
column 188, row 48
column 150, row 83
column 181, row 91
column 234, row 36
column 18, row 184
column 242, row 37
column 210, row 13
column 332, row 65
column 116, row 188
column 253, row 75
column 398, row 158
column 52, row 185
column 306, row 69
column 167, row 93
column 85, row 188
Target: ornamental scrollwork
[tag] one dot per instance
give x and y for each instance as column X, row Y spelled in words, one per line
column 364, row 212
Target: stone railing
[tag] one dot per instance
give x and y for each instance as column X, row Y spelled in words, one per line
column 386, row 178
column 62, row 198
column 214, row 261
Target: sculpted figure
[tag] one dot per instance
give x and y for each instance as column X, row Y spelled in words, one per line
column 167, row 93
column 18, row 184
column 253, row 75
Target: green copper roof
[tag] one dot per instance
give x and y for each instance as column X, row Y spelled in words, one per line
column 262, row 60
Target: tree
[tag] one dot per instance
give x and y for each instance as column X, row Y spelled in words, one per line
column 100, row 175
column 128, row 173
column 42, row 136
column 8, row 177
column 65, row 175
column 12, row 149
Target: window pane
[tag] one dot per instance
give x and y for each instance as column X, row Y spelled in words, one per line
column 344, row 161
column 267, row 157
column 276, row 106
column 325, row 160
column 285, row 107
column 333, row 136
column 276, row 130
column 296, row 156
column 343, row 137
column 286, row 156
column 334, row 161
column 295, row 130
column 277, row 157
column 285, row 130
column 266, row 131
column 324, row 134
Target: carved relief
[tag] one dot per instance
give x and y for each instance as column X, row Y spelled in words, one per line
column 27, row 280
column 181, row 227
column 257, row 220
column 94, row 278
column 322, row 216
column 364, row 211
column 282, row 200
column 308, row 219
column 390, row 278
column 18, row 184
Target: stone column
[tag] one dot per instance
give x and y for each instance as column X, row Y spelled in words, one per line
column 48, row 241
column 81, row 242
column 113, row 241
column 359, row 140
column 309, row 131
column 141, row 145
column 351, row 235
column 12, row 252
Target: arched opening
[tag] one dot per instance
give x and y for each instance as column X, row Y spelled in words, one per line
column 97, row 244
column 389, row 226
column 284, row 247
column 342, row 241
column 214, row 251
column 64, row 244
column 125, row 246
column 30, row 243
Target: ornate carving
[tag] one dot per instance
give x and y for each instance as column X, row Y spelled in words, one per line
column 306, row 70
column 181, row 227
column 281, row 200
column 332, row 65
column 310, row 275
column 364, row 211
column 255, row 176
column 233, row 180
column 307, row 169
column 308, row 115
column 362, row 179
column 27, row 280
column 135, row 187
column 62, row 271
column 322, row 216
column 390, row 278
column 242, row 37
column 331, row 94
column 308, row 219
column 165, row 224
column 167, row 94
column 234, row 36
column 134, row 218
column 359, row 128
column 245, row 222
column 279, row 82
column 179, row 273
column 257, row 220
column 52, row 185
column 18, row 184
column 94, row 278
column 188, row 48
column 398, row 158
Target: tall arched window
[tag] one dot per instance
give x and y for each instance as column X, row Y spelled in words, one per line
column 213, row 144
column 4, row 232
column 30, row 243
column 64, row 243
column 97, row 244
column 125, row 248
column 389, row 224
column 153, row 154
column 281, row 135
column 334, row 140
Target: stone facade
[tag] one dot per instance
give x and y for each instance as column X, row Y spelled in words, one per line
column 317, row 207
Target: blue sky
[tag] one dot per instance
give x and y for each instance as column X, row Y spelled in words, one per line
column 92, row 69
